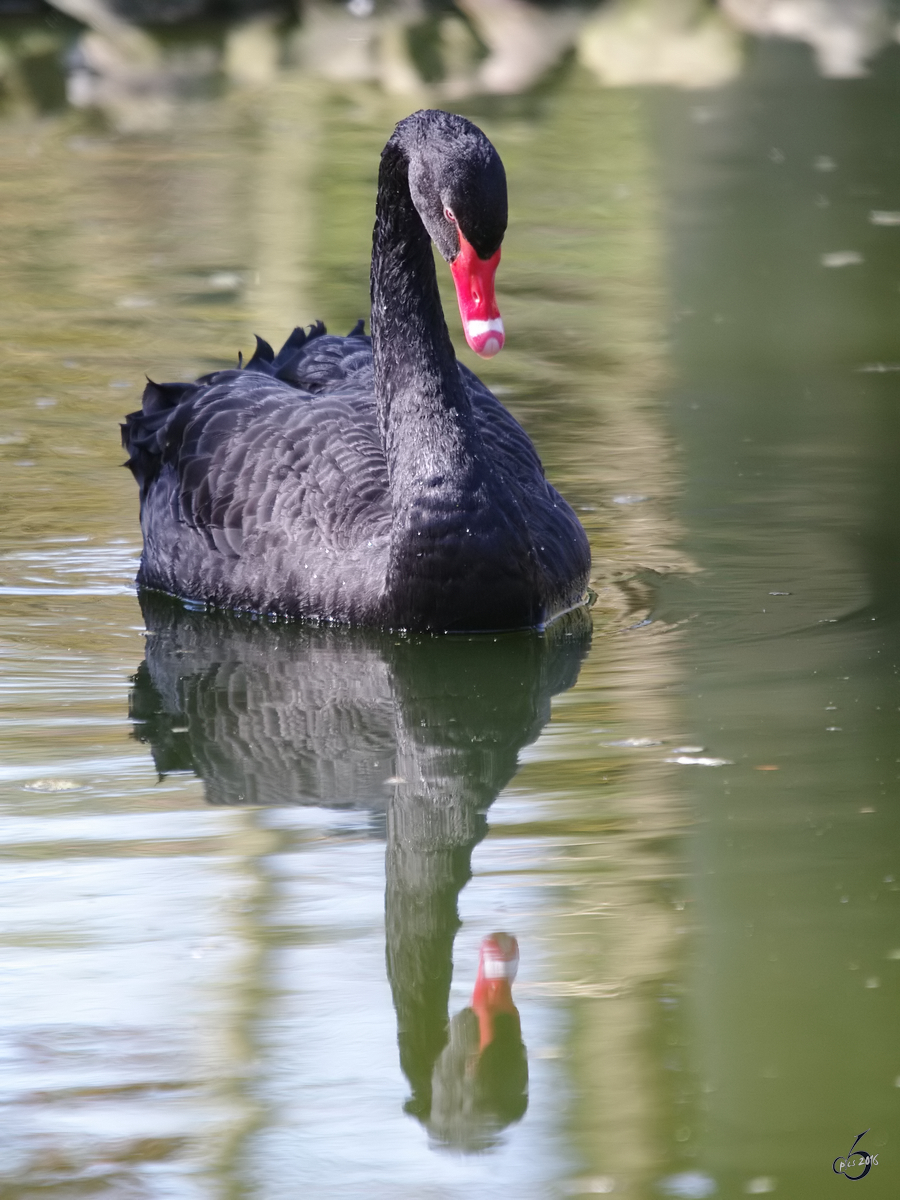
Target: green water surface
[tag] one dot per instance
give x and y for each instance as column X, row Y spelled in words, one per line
column 233, row 854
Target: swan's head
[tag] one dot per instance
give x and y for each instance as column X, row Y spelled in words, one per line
column 458, row 185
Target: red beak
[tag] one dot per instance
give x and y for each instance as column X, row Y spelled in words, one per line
column 474, row 279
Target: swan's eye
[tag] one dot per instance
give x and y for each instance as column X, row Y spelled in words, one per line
column 450, row 215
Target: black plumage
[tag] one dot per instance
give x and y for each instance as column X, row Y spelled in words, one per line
column 368, row 481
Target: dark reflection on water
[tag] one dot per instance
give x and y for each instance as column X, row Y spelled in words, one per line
column 420, row 732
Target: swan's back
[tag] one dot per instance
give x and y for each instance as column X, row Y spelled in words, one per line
column 266, row 487
column 255, row 481
column 311, row 362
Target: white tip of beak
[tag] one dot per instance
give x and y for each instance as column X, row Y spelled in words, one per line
column 485, row 337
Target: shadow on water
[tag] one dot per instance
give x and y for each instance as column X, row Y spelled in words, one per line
column 421, row 733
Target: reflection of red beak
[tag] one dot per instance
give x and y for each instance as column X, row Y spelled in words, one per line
column 474, row 279
column 493, row 987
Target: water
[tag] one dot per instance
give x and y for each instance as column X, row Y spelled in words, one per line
column 234, row 853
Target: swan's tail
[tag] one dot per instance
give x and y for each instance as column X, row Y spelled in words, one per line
column 144, row 432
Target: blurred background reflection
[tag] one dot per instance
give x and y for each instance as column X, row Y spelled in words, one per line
column 137, row 61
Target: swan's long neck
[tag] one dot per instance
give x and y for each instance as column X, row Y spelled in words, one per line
column 423, row 409
column 460, row 555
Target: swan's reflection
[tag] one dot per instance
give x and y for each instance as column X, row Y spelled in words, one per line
column 425, row 731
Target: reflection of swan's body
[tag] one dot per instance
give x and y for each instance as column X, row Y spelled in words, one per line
column 427, row 730
column 376, row 484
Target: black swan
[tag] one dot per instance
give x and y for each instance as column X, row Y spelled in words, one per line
column 368, row 481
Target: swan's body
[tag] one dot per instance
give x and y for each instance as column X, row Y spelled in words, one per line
column 371, row 482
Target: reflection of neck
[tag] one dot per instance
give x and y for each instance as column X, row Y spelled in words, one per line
column 434, row 820
column 462, row 710
column 429, row 848
column 490, row 998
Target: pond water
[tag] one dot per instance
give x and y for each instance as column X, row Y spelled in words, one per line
column 249, row 869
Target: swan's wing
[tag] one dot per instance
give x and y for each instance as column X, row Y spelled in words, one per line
column 506, row 441
column 280, row 459
column 243, row 451
column 557, row 536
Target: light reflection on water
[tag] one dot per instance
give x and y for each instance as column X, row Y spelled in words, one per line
column 195, row 996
